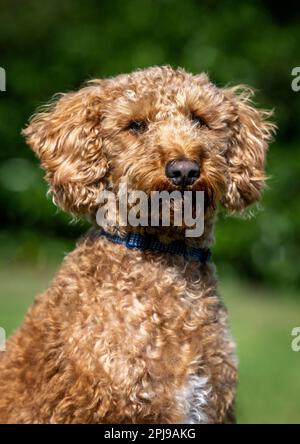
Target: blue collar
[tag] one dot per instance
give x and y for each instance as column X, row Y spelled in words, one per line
column 149, row 242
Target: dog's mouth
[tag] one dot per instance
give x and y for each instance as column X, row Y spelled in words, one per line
column 162, row 204
column 200, row 186
column 192, row 202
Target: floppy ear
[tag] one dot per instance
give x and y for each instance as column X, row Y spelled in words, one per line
column 246, row 151
column 66, row 136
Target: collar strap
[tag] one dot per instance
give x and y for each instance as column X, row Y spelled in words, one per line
column 149, row 242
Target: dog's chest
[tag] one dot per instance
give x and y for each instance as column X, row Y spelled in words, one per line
column 156, row 338
column 193, row 400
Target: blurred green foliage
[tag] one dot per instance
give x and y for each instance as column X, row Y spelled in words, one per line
column 47, row 47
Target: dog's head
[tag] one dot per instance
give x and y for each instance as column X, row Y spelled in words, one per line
column 161, row 129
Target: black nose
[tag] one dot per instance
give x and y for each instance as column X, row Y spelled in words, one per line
column 182, row 172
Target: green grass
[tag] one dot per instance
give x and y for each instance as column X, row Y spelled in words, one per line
column 261, row 322
column 269, row 375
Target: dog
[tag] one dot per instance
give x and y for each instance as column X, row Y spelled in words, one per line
column 132, row 329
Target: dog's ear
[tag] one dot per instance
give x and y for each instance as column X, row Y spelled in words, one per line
column 66, row 136
column 251, row 134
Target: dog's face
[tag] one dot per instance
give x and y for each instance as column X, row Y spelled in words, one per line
column 160, row 129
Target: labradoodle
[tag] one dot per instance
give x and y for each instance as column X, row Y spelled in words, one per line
column 131, row 329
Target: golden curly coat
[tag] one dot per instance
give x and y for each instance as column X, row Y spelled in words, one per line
column 129, row 336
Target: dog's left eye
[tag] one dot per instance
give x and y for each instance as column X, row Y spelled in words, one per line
column 198, row 120
column 137, row 126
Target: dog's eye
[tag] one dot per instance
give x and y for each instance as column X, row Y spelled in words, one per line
column 198, row 120
column 137, row 126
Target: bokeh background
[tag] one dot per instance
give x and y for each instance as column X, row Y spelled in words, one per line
column 54, row 46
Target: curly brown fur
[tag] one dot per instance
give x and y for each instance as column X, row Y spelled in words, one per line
column 124, row 335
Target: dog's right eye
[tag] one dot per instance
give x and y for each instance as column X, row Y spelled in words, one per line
column 137, row 126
